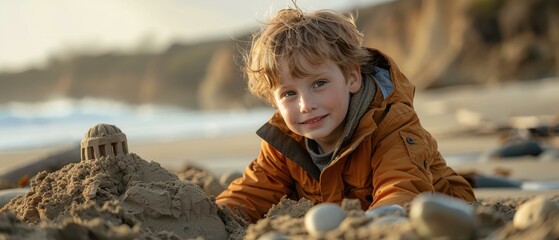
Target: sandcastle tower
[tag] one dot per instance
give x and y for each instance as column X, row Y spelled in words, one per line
column 103, row 140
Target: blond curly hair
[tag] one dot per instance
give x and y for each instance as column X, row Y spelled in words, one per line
column 315, row 36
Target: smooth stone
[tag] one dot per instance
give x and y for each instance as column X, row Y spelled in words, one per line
column 534, row 210
column 394, row 209
column 382, row 221
column 540, row 185
column 486, row 181
column 517, row 148
column 228, row 177
column 212, row 186
column 323, row 217
column 49, row 163
column 550, row 155
column 8, row 194
column 273, row 236
column 434, row 215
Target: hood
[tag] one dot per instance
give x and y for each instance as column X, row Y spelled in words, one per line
column 393, row 84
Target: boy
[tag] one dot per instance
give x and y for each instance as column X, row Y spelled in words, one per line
column 345, row 126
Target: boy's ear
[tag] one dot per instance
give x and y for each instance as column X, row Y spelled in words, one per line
column 354, row 79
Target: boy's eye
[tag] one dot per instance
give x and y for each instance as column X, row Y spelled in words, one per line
column 287, row 94
column 319, row 83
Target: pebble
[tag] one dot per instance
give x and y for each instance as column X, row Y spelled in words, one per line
column 534, row 210
column 323, row 217
column 273, row 236
column 382, row 221
column 8, row 194
column 228, row 177
column 550, row 155
column 212, row 186
column 393, row 210
column 434, row 215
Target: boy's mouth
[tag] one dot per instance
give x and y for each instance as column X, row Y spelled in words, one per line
column 313, row 120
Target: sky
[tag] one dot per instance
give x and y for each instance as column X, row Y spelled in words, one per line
column 32, row 31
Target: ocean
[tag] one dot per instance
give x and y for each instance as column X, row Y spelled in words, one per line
column 25, row 126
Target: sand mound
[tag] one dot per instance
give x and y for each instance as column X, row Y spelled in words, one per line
column 493, row 221
column 118, row 197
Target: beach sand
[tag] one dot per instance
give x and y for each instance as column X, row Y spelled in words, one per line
column 150, row 194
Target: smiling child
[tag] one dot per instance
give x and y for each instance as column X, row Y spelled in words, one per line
column 345, row 126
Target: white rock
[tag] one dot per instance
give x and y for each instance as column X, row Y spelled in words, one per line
column 273, row 236
column 534, row 210
column 8, row 194
column 323, row 217
column 228, row 177
column 383, row 221
column 394, row 210
column 550, row 155
column 440, row 216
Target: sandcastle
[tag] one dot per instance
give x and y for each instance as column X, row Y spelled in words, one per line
column 103, row 140
column 112, row 194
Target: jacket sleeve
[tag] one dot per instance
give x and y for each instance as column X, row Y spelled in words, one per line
column 402, row 158
column 264, row 182
column 446, row 180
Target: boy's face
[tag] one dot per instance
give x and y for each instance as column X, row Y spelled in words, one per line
column 315, row 106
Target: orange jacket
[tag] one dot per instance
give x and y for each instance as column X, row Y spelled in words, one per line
column 390, row 159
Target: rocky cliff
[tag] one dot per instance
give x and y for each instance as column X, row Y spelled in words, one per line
column 441, row 43
column 437, row 43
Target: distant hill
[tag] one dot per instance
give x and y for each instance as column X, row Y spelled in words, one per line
column 172, row 77
column 437, row 43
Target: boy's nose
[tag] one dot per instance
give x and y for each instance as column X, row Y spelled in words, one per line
column 306, row 103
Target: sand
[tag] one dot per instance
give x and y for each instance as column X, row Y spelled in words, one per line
column 493, row 221
column 127, row 197
column 122, row 197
